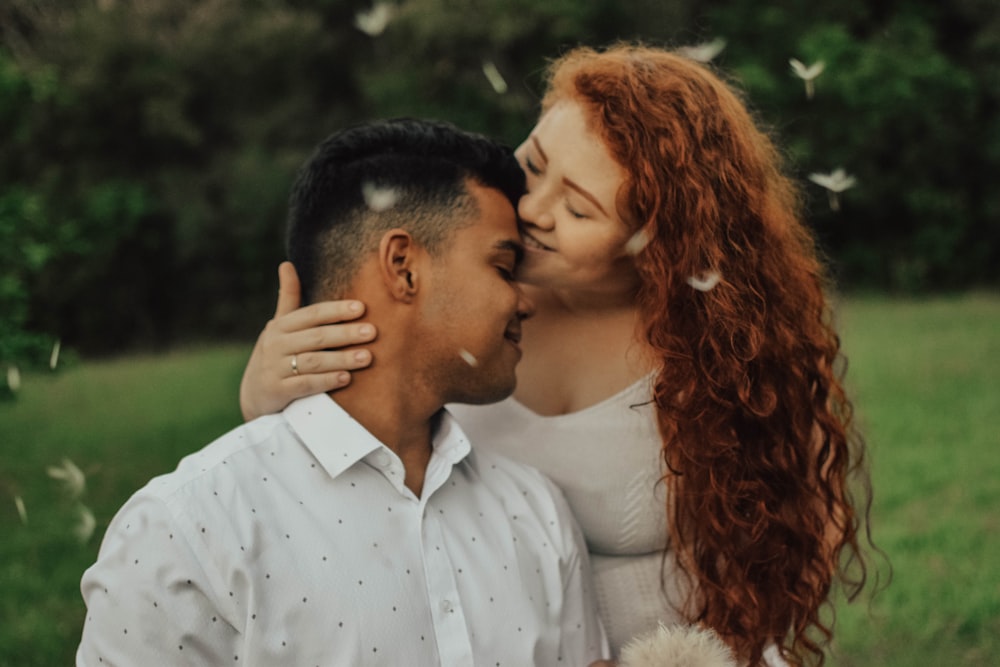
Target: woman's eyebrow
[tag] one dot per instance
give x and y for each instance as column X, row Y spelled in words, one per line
column 538, row 147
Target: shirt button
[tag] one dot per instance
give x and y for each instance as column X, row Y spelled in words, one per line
column 382, row 458
column 446, row 606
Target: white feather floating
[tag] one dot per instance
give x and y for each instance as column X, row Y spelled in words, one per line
column 21, row 511
column 468, row 358
column 808, row 74
column 704, row 52
column 85, row 524
column 54, row 356
column 378, row 199
column 835, row 182
column 374, row 21
column 71, row 476
column 638, row 242
column 13, row 378
column 494, row 76
column 705, row 282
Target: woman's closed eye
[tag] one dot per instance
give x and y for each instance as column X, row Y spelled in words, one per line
column 575, row 213
column 531, row 166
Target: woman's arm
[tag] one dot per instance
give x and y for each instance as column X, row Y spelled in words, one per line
column 299, row 352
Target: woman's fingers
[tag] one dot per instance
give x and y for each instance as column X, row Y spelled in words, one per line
column 329, row 362
column 317, row 315
column 292, row 318
column 330, row 337
column 289, row 289
column 316, row 383
column 301, row 350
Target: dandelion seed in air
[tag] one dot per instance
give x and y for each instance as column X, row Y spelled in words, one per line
column 13, row 378
column 85, row 524
column 54, row 357
column 638, row 242
column 835, row 182
column 468, row 358
column 70, row 475
column 378, row 199
column 494, row 76
column 21, row 511
column 808, row 74
column 705, row 282
column 704, row 52
column 374, row 21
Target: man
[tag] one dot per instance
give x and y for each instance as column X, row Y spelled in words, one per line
column 359, row 527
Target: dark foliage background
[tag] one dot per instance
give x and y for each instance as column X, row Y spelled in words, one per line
column 147, row 146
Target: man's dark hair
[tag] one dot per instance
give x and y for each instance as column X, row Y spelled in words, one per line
column 370, row 178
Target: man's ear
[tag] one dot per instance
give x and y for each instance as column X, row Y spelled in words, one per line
column 398, row 259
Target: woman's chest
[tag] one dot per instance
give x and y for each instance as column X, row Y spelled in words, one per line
column 569, row 366
column 605, row 459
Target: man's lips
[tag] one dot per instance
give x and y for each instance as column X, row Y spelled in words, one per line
column 513, row 335
column 532, row 243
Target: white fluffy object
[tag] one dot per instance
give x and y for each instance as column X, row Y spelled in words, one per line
column 677, row 646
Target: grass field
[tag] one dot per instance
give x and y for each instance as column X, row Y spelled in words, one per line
column 924, row 375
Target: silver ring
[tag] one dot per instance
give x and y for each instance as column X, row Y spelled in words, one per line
column 295, row 365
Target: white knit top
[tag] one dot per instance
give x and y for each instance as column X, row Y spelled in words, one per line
column 606, row 460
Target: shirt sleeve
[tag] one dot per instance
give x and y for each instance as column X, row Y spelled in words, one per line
column 149, row 598
column 583, row 639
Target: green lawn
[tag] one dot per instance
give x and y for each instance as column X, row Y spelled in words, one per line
column 121, row 422
column 924, row 375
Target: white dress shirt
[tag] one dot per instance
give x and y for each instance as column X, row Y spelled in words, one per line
column 292, row 540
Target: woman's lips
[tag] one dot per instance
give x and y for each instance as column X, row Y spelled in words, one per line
column 532, row 243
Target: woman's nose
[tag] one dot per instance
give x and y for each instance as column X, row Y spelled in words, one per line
column 532, row 210
column 525, row 305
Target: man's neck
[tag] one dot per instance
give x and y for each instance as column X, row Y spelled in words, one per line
column 397, row 412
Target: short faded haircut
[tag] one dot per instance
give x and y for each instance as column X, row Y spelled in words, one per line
column 369, row 178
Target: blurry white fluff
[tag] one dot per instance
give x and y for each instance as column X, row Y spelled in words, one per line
column 378, row 199
column 677, row 646
column 704, row 52
column 373, row 22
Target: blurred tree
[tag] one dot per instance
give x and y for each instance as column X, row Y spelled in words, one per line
column 433, row 57
column 148, row 145
column 167, row 155
column 26, row 247
column 902, row 86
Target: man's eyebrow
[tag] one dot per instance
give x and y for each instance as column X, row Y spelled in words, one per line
column 583, row 193
column 538, row 147
column 510, row 245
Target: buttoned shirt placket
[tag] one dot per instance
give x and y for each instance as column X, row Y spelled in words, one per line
column 451, row 631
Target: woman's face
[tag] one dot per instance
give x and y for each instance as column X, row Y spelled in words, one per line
column 572, row 232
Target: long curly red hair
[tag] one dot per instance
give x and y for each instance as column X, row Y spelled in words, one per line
column 757, row 430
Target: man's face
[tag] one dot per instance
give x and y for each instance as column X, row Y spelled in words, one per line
column 473, row 309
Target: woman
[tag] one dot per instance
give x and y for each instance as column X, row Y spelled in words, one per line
column 678, row 379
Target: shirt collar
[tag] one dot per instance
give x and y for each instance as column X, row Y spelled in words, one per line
column 338, row 441
column 450, row 441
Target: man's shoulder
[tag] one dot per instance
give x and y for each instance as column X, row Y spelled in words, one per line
column 503, row 474
column 534, row 501
column 226, row 456
column 494, row 464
